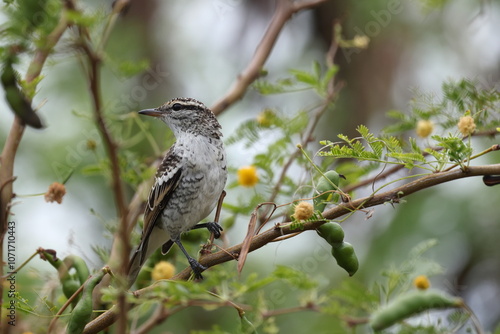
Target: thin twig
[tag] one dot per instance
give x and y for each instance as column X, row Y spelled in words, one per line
column 273, row 313
column 495, row 147
column 64, row 307
column 159, row 316
column 284, row 11
column 291, row 159
column 333, row 91
column 94, row 62
column 22, row 264
column 118, row 7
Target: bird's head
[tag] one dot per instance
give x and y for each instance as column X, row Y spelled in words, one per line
column 186, row 115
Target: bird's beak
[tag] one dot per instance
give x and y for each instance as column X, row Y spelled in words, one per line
column 150, row 112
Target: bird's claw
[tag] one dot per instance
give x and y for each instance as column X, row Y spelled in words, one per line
column 215, row 228
column 197, row 268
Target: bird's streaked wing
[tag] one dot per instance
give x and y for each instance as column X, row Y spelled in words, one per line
column 167, row 179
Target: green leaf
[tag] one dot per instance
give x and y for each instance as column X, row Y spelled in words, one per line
column 130, row 68
column 297, row 124
column 295, row 278
column 305, row 77
column 329, row 74
column 265, row 87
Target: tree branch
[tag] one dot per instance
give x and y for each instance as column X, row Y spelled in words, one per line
column 13, row 140
column 279, row 230
column 284, row 11
column 123, row 236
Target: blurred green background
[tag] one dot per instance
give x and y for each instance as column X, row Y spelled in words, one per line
column 197, row 49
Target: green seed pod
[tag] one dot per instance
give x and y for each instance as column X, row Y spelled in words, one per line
column 332, row 233
column 325, row 186
column 82, row 271
column 69, row 287
column 411, row 303
column 346, row 257
column 50, row 256
column 83, row 311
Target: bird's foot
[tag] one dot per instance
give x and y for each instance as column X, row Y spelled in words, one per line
column 212, row 227
column 215, row 228
column 197, row 268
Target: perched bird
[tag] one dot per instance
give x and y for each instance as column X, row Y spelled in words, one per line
column 188, row 183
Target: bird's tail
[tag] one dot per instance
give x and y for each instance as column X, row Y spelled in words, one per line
column 134, row 267
column 144, row 251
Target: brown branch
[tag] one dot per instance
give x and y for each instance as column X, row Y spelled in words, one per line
column 161, row 313
column 274, row 313
column 110, row 144
column 123, row 237
column 284, row 11
column 159, row 316
column 65, row 306
column 306, row 139
column 262, row 239
column 13, row 140
column 371, row 180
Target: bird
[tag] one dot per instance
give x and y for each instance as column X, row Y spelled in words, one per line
column 16, row 99
column 188, row 184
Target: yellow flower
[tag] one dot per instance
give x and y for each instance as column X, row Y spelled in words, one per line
column 303, row 211
column 466, row 125
column 361, row 42
column 163, row 270
column 421, row 282
column 264, row 118
column 424, row 128
column 247, row 176
column 55, row 193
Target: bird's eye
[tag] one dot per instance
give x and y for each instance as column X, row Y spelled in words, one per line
column 177, row 107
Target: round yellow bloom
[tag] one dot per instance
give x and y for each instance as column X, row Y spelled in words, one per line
column 303, row 211
column 361, row 41
column 421, row 282
column 55, row 193
column 247, row 176
column 424, row 128
column 466, row 125
column 163, row 270
column 264, row 118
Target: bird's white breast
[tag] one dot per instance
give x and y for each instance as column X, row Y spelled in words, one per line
column 202, row 181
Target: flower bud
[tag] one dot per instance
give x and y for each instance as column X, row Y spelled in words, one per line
column 424, row 128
